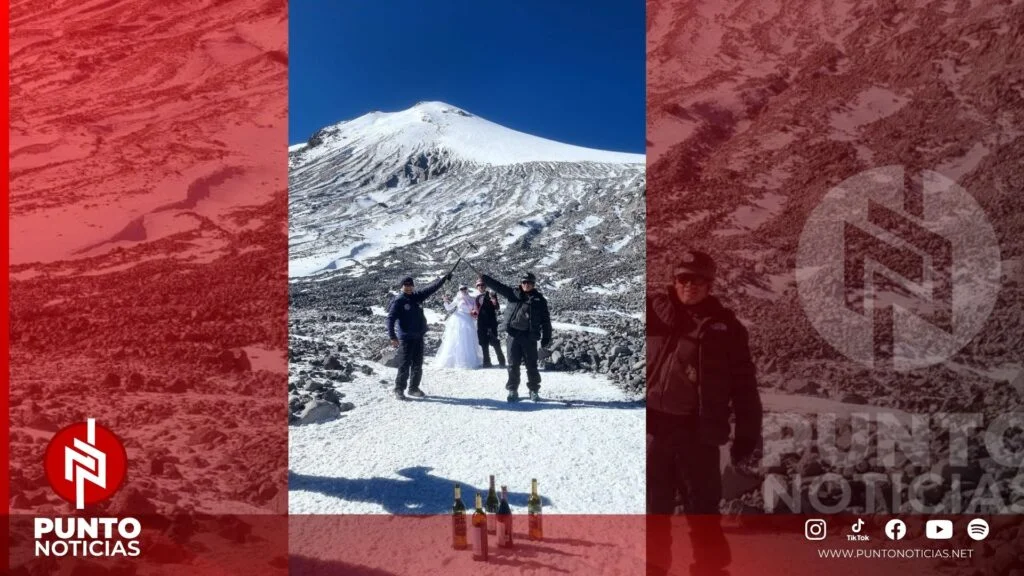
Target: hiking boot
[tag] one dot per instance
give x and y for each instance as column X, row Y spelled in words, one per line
column 416, row 393
column 534, row 395
column 513, row 396
column 488, row 365
column 501, row 365
column 400, row 394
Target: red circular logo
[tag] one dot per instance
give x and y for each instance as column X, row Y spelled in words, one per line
column 85, row 463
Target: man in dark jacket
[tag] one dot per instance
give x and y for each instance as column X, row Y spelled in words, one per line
column 407, row 325
column 527, row 321
column 487, row 324
column 699, row 374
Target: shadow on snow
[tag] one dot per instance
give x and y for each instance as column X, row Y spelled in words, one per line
column 526, row 405
column 418, row 492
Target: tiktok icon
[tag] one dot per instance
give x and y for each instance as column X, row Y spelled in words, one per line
column 857, row 536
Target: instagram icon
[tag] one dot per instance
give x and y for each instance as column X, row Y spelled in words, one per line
column 814, row 529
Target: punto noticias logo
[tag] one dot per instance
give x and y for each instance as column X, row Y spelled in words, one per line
column 85, row 464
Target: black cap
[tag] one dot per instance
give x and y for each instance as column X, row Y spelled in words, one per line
column 407, row 281
column 528, row 277
column 696, row 263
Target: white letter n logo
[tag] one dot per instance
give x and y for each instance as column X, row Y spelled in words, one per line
column 86, row 464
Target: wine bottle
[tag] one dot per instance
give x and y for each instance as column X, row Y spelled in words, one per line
column 504, row 520
column 536, row 530
column 478, row 534
column 492, row 508
column 459, row 541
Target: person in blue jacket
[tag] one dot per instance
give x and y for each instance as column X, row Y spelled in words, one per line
column 407, row 325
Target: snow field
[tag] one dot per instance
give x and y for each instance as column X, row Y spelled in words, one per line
column 390, row 456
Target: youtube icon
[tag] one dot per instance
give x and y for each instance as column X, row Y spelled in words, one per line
column 939, row 529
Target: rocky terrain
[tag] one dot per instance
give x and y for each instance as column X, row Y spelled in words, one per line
column 147, row 258
column 757, row 110
column 389, row 194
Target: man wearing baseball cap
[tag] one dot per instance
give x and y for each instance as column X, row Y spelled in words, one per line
column 527, row 321
column 699, row 374
column 407, row 325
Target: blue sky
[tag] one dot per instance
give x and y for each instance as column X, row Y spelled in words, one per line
column 569, row 70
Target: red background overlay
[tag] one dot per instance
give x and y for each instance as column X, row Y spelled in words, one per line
column 755, row 111
column 148, row 271
column 148, row 287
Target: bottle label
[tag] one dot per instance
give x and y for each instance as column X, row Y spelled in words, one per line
column 505, row 532
column 459, row 526
column 474, row 540
column 492, row 522
column 483, row 542
column 536, row 528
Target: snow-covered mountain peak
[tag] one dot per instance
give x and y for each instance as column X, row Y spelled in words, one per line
column 434, row 107
column 387, row 195
column 442, row 130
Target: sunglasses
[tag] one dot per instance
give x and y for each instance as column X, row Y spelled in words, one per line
column 692, row 279
column 530, row 282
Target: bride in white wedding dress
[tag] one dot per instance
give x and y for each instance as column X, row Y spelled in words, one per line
column 459, row 346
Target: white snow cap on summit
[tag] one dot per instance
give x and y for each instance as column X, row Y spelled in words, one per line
column 440, row 126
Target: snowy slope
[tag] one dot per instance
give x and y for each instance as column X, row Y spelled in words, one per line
column 439, row 126
column 393, row 191
column 403, row 457
column 756, row 110
column 384, row 196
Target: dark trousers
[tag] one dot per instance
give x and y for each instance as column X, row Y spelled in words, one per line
column 678, row 463
column 488, row 338
column 410, row 363
column 522, row 350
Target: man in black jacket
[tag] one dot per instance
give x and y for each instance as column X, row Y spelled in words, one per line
column 487, row 324
column 527, row 321
column 407, row 325
column 699, row 374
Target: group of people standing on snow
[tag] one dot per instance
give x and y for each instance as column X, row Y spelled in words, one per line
column 473, row 323
column 701, row 388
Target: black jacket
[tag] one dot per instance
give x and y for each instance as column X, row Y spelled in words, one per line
column 726, row 377
column 487, row 314
column 540, row 317
column 406, row 320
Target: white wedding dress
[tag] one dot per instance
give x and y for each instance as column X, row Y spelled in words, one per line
column 459, row 346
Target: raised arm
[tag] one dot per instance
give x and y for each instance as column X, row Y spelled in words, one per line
column 451, row 306
column 426, row 292
column 507, row 291
column 664, row 310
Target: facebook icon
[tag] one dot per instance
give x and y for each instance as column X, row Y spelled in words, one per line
column 895, row 529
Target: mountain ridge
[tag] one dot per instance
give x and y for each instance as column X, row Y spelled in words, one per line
column 432, row 125
column 380, row 183
column 375, row 205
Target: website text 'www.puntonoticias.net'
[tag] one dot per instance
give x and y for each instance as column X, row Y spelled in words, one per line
column 895, row 553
